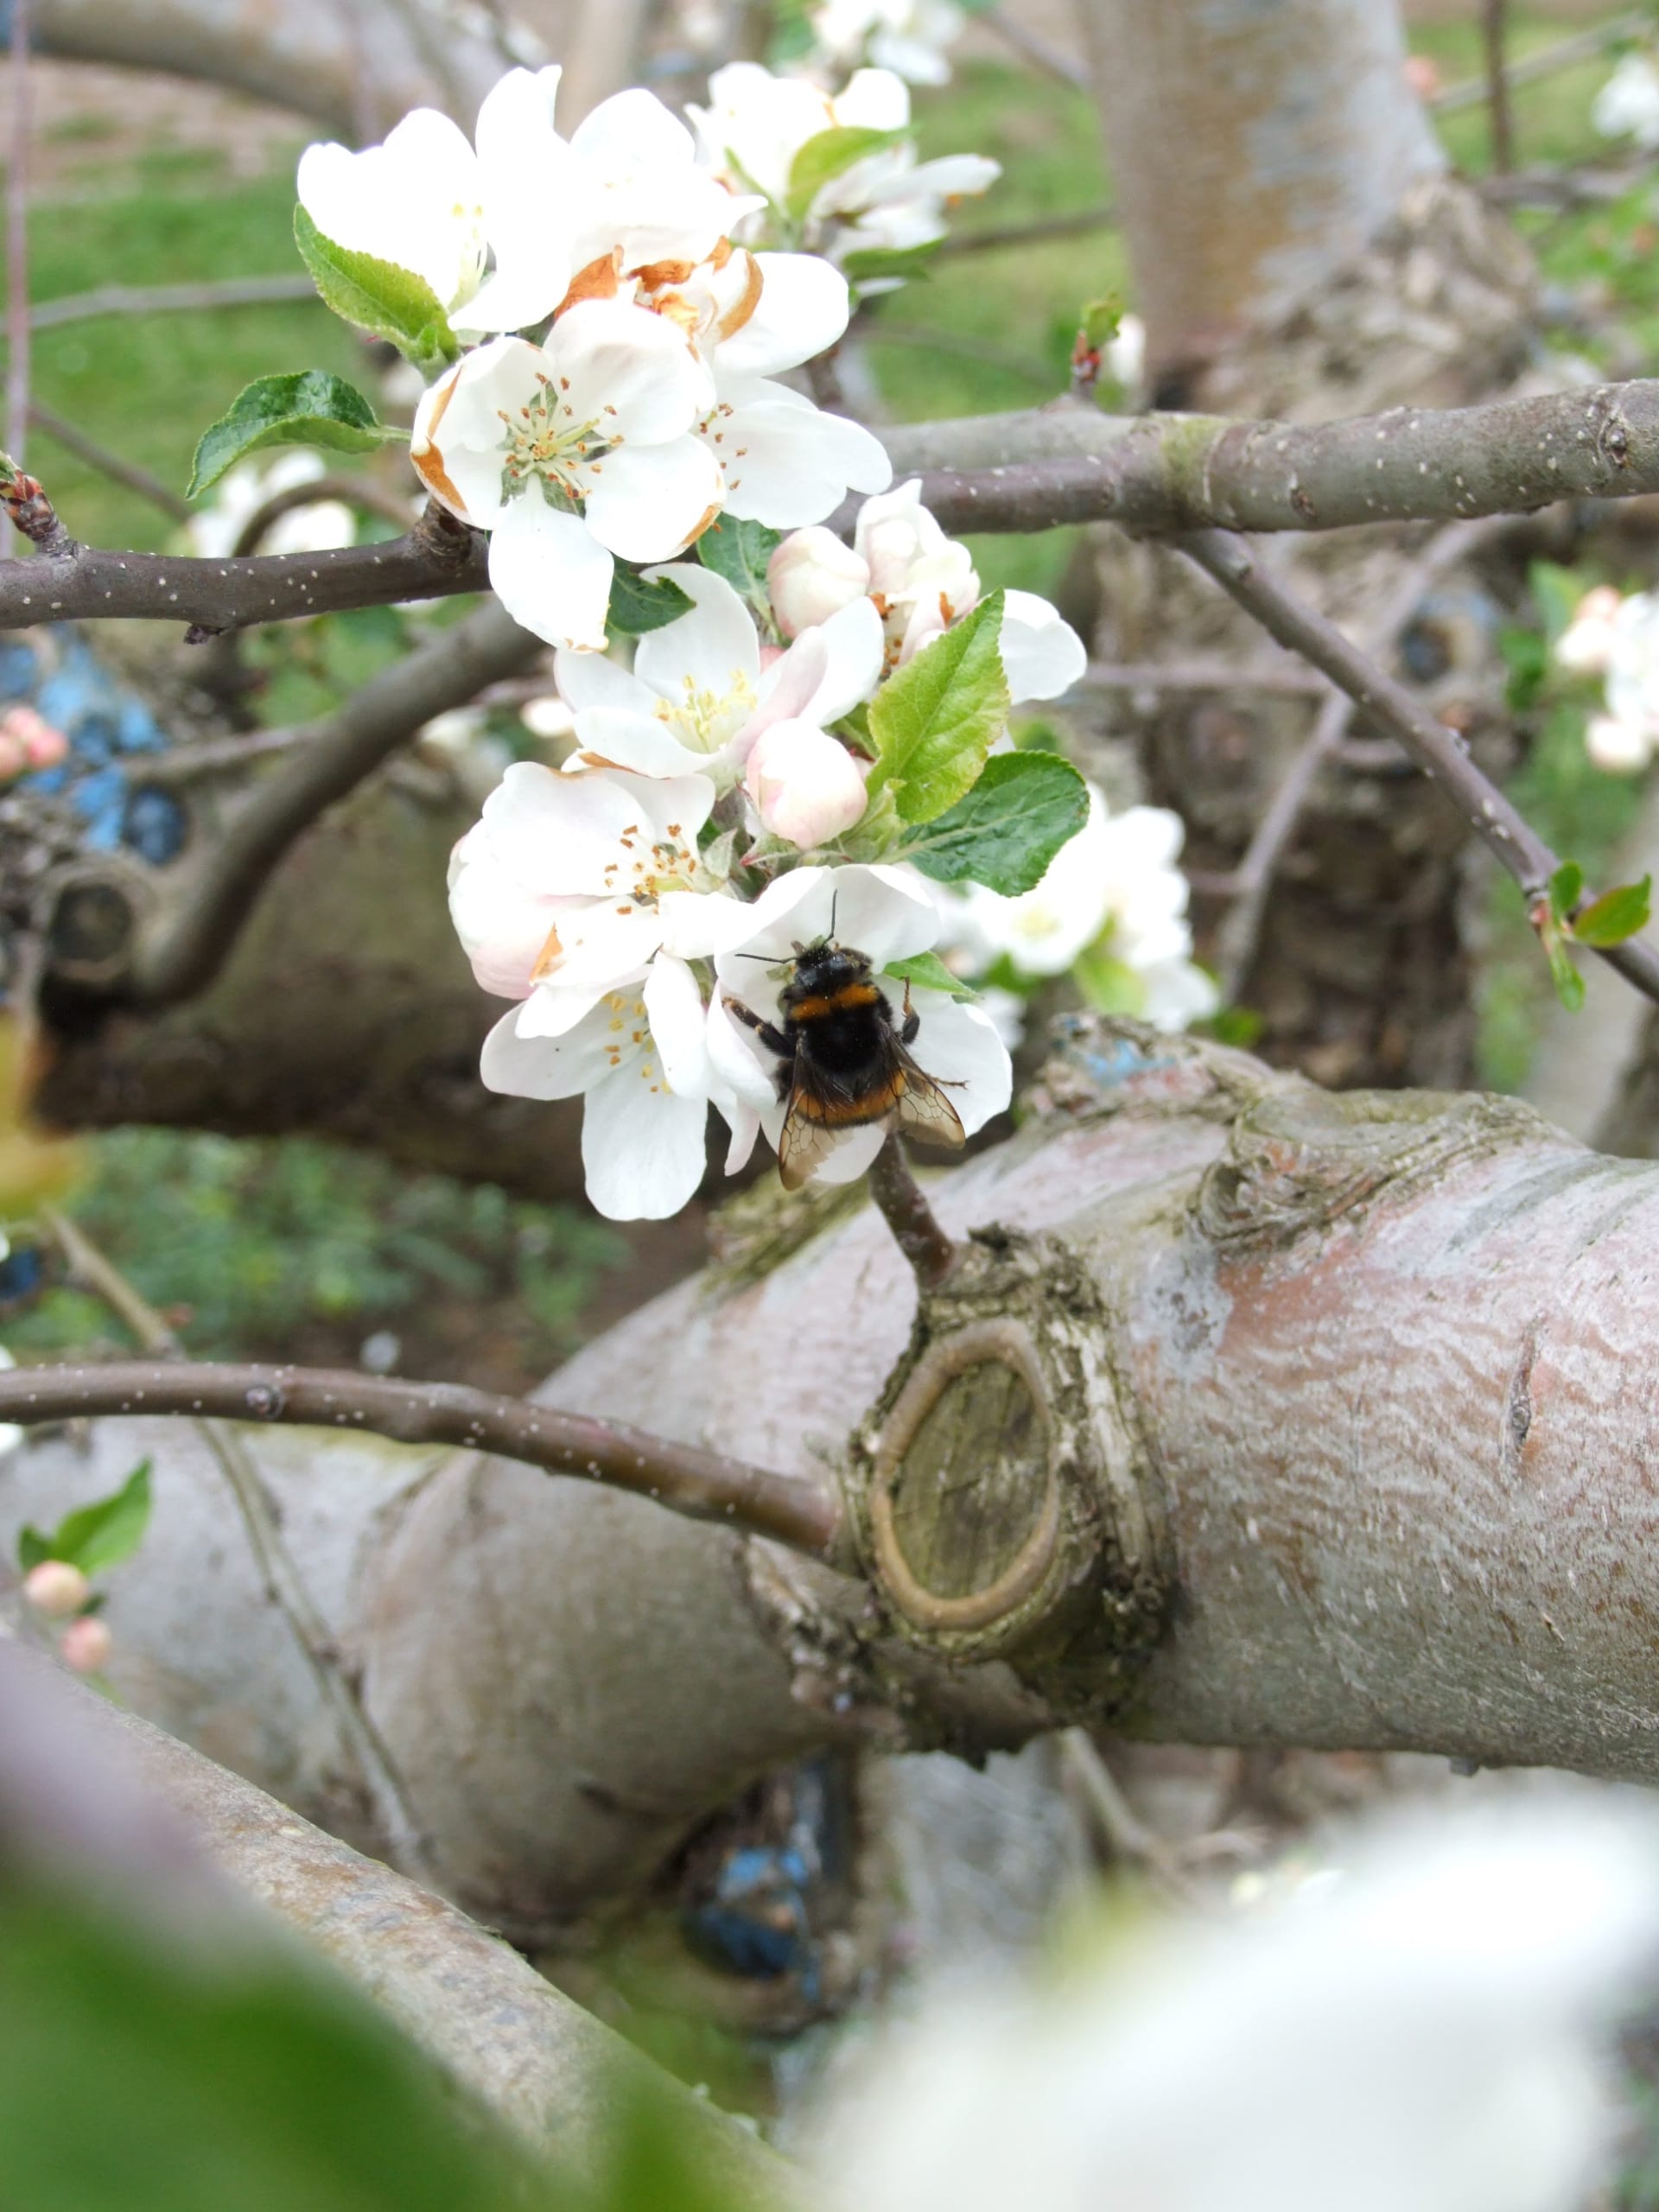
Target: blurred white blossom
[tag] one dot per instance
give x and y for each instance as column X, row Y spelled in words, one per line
column 317, row 527
column 1618, row 639
column 910, row 37
column 10, row 1435
column 1627, row 106
column 1425, row 2028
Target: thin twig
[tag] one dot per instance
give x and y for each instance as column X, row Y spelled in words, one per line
column 1037, row 232
column 1436, row 750
column 908, row 1215
column 147, row 300
column 406, row 1846
column 108, row 464
column 213, row 756
column 337, row 753
column 1582, row 46
column 701, row 1485
column 1126, row 1836
column 1253, row 879
column 1492, row 14
column 17, row 363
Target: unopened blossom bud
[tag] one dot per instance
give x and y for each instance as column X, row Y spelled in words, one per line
column 811, row 576
column 805, row 785
column 86, row 1645
column 46, row 746
column 1624, row 748
column 56, row 1589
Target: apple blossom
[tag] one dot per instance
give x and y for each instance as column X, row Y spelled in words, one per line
column 1622, row 748
column 886, row 913
column 907, row 36
column 596, row 458
column 416, row 202
column 1430, row 2022
column 1618, row 639
column 56, row 1588
column 1114, row 884
column 921, row 582
column 698, row 696
column 1628, row 104
column 86, row 1645
column 805, row 785
column 812, row 575
column 757, row 123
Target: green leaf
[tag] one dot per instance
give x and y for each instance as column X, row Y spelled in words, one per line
column 823, row 158
column 97, row 1536
column 1004, row 834
column 865, row 263
column 934, row 722
column 1569, row 984
column 309, row 409
column 378, row 296
column 1109, row 986
column 1566, row 889
column 1556, row 593
column 926, row 971
column 638, row 605
column 739, row 552
column 1618, row 914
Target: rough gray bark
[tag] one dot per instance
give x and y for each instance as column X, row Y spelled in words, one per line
column 1371, row 1421
column 1256, row 152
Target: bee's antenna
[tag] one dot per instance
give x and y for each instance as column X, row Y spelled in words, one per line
column 771, row 956
column 834, row 900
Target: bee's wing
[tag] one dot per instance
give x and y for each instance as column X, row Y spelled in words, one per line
column 803, row 1145
column 924, row 1109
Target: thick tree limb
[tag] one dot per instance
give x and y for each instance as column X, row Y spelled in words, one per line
column 701, row 1484
column 119, row 1800
column 1437, row 751
column 1024, row 471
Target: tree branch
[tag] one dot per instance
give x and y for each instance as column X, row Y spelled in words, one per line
column 338, row 753
column 147, row 300
column 1434, row 748
column 127, row 473
column 701, row 1485
column 1033, row 471
column 908, row 1214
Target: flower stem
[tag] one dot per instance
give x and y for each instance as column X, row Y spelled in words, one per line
column 908, row 1215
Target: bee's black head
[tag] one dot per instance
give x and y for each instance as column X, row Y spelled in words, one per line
column 824, row 967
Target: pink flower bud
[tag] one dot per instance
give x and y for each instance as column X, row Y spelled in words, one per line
column 811, row 576
column 86, row 1645
column 47, row 747
column 55, row 1588
column 28, row 740
column 805, row 785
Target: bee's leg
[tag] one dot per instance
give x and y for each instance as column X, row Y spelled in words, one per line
column 912, row 1023
column 773, row 1040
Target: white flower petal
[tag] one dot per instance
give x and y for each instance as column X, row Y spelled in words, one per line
column 642, row 1149
column 875, row 100
column 551, row 573
column 627, row 369
column 503, row 926
column 739, row 1060
column 650, row 501
column 803, row 310
column 1042, row 654
column 853, row 651
column 457, row 444
column 545, row 1067
column 632, row 129
column 528, row 175
column 713, row 648
column 697, row 925
column 679, row 1026
column 603, row 941
column 791, row 464
column 621, row 737
column 851, row 1156
column 415, row 202
column 958, row 1044
column 595, row 680
column 552, row 1012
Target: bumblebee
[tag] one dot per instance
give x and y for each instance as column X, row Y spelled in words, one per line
column 842, row 1059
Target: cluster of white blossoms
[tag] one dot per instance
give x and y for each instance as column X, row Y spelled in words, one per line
column 767, row 739
column 1617, row 637
column 867, row 200
column 642, row 403
column 215, row 530
column 1627, row 106
column 910, row 37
